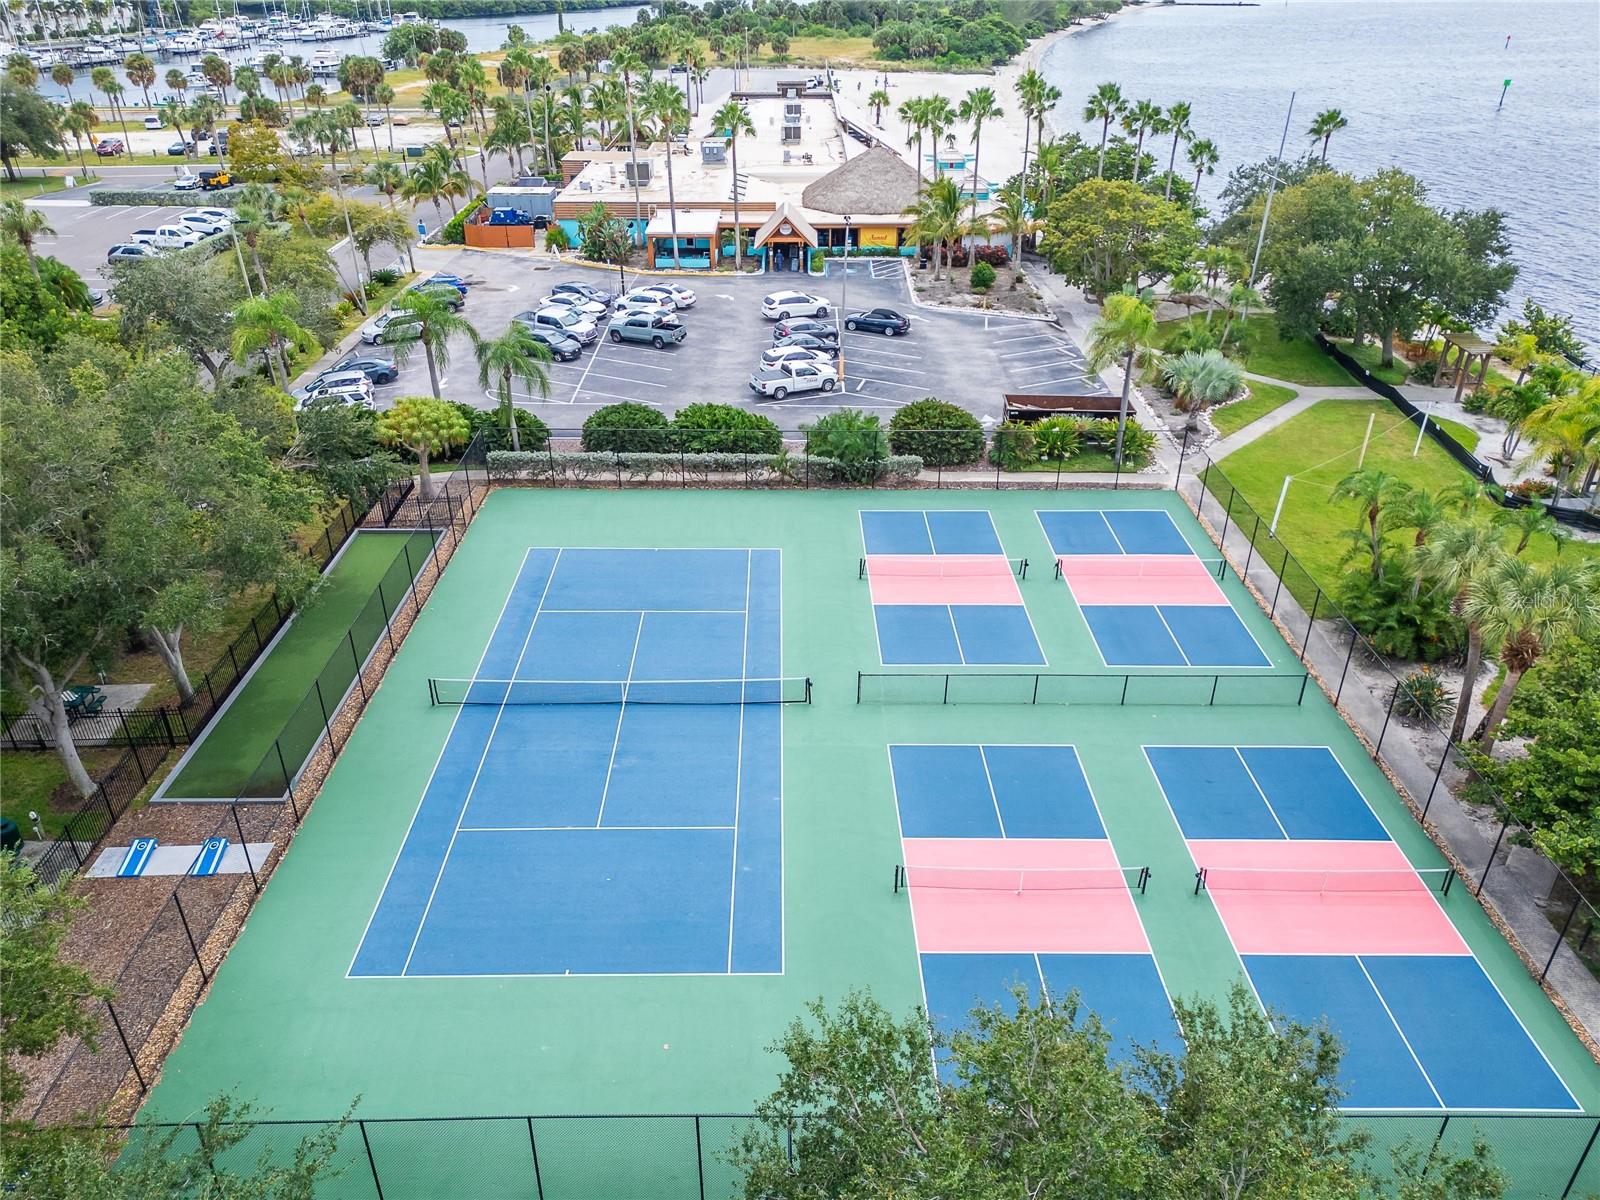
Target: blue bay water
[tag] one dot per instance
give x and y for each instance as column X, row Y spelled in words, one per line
column 1418, row 81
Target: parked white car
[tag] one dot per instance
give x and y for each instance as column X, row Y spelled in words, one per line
column 678, row 295
column 186, row 182
column 791, row 354
column 777, row 382
column 394, row 325
column 353, row 387
column 223, row 216
column 642, row 302
column 780, row 306
column 166, row 237
column 202, row 224
column 591, row 309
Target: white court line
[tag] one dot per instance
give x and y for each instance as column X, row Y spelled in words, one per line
column 1177, row 645
column 1260, row 791
column 738, row 774
column 951, row 613
column 423, row 796
column 583, row 828
column 622, row 710
column 899, row 826
column 482, row 758
column 1404, row 1041
column 994, row 799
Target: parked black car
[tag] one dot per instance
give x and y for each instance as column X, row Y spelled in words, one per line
column 879, row 320
column 378, row 370
column 587, row 291
column 807, row 342
column 826, row 330
column 561, row 347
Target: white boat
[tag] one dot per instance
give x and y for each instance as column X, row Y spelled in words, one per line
column 185, row 43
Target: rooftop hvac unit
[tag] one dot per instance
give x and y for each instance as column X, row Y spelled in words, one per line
column 637, row 173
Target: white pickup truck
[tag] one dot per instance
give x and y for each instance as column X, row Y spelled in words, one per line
column 166, row 237
column 778, row 381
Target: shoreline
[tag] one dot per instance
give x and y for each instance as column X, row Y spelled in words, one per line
column 1000, row 154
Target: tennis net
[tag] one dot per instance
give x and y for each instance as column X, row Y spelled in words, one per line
column 774, row 690
column 1018, row 880
column 1370, row 880
column 1138, row 566
column 941, row 566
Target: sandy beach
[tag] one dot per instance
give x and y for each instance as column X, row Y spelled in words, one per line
column 1001, row 151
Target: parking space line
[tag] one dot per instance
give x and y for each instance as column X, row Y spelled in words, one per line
column 1029, row 369
column 915, row 387
column 628, row 379
column 1064, row 379
column 888, row 354
column 902, row 370
column 1028, row 353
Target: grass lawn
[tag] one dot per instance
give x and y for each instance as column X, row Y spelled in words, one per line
column 1260, row 399
column 237, row 741
column 1086, row 461
column 1370, row 356
column 35, row 781
column 1320, row 447
column 1297, row 360
column 30, row 185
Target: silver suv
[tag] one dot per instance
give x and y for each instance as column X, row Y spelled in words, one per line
column 561, row 320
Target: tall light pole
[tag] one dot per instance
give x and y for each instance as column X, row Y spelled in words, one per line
column 844, row 293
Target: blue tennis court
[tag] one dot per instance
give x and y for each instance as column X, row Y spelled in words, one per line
column 609, row 799
column 1262, row 792
column 1148, row 599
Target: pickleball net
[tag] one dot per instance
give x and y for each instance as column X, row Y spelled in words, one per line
column 1021, row 880
column 1138, row 566
column 1336, row 880
column 941, row 566
column 795, row 689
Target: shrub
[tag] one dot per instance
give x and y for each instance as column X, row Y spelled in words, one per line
column 386, row 277
column 1191, row 337
column 557, row 238
column 982, row 277
column 1199, row 379
column 491, row 422
column 941, row 434
column 1531, row 488
column 819, row 262
column 166, row 197
column 994, row 256
column 1013, row 447
column 1423, row 368
column 454, row 231
column 662, row 468
column 1057, row 439
column 724, row 429
column 627, row 426
column 1423, row 695
column 1418, row 627
column 856, row 441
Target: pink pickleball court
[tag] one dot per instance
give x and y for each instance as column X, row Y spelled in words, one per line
column 1139, row 579
column 942, row 579
column 1027, row 895
column 1323, row 897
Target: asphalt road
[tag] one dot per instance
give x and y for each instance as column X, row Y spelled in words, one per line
column 968, row 359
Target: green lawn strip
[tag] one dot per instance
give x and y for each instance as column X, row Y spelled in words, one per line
column 239, row 739
column 35, row 781
column 1085, row 460
column 30, row 185
column 1370, row 356
column 1313, row 527
column 1266, row 352
column 1258, row 401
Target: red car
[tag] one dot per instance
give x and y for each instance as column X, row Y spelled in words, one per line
column 109, row 147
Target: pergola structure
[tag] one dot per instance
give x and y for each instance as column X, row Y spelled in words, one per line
column 1468, row 350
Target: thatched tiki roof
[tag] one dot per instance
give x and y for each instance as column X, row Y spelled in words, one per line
column 876, row 181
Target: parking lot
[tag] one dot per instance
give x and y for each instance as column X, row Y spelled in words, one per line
column 968, row 359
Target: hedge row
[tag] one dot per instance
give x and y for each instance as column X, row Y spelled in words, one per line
column 582, row 466
column 164, row 198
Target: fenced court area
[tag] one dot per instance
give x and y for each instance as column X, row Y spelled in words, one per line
column 623, row 805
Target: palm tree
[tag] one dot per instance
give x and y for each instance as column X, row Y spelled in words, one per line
column 1373, row 490
column 1125, row 331
column 1105, row 105
column 172, row 113
column 663, row 102
column 1455, row 555
column 1142, row 119
column 937, row 217
column 628, row 64
column 266, row 324
column 431, row 180
column 177, row 82
column 218, row 73
column 62, row 76
column 1203, row 157
column 1525, row 609
column 1324, row 125
column 1012, row 217
column 105, row 79
column 257, row 207
column 733, row 119
column 1567, row 429
column 878, row 101
column 25, row 226
column 978, row 107
column 1521, row 352
column 436, row 324
column 1180, row 129
column 79, row 120
column 1528, row 522
column 1030, row 88
column 940, row 117
column 1239, row 298
column 387, row 175
column 515, row 354
column 141, row 72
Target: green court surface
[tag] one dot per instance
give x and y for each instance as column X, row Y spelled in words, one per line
column 219, row 765
column 286, row 1027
